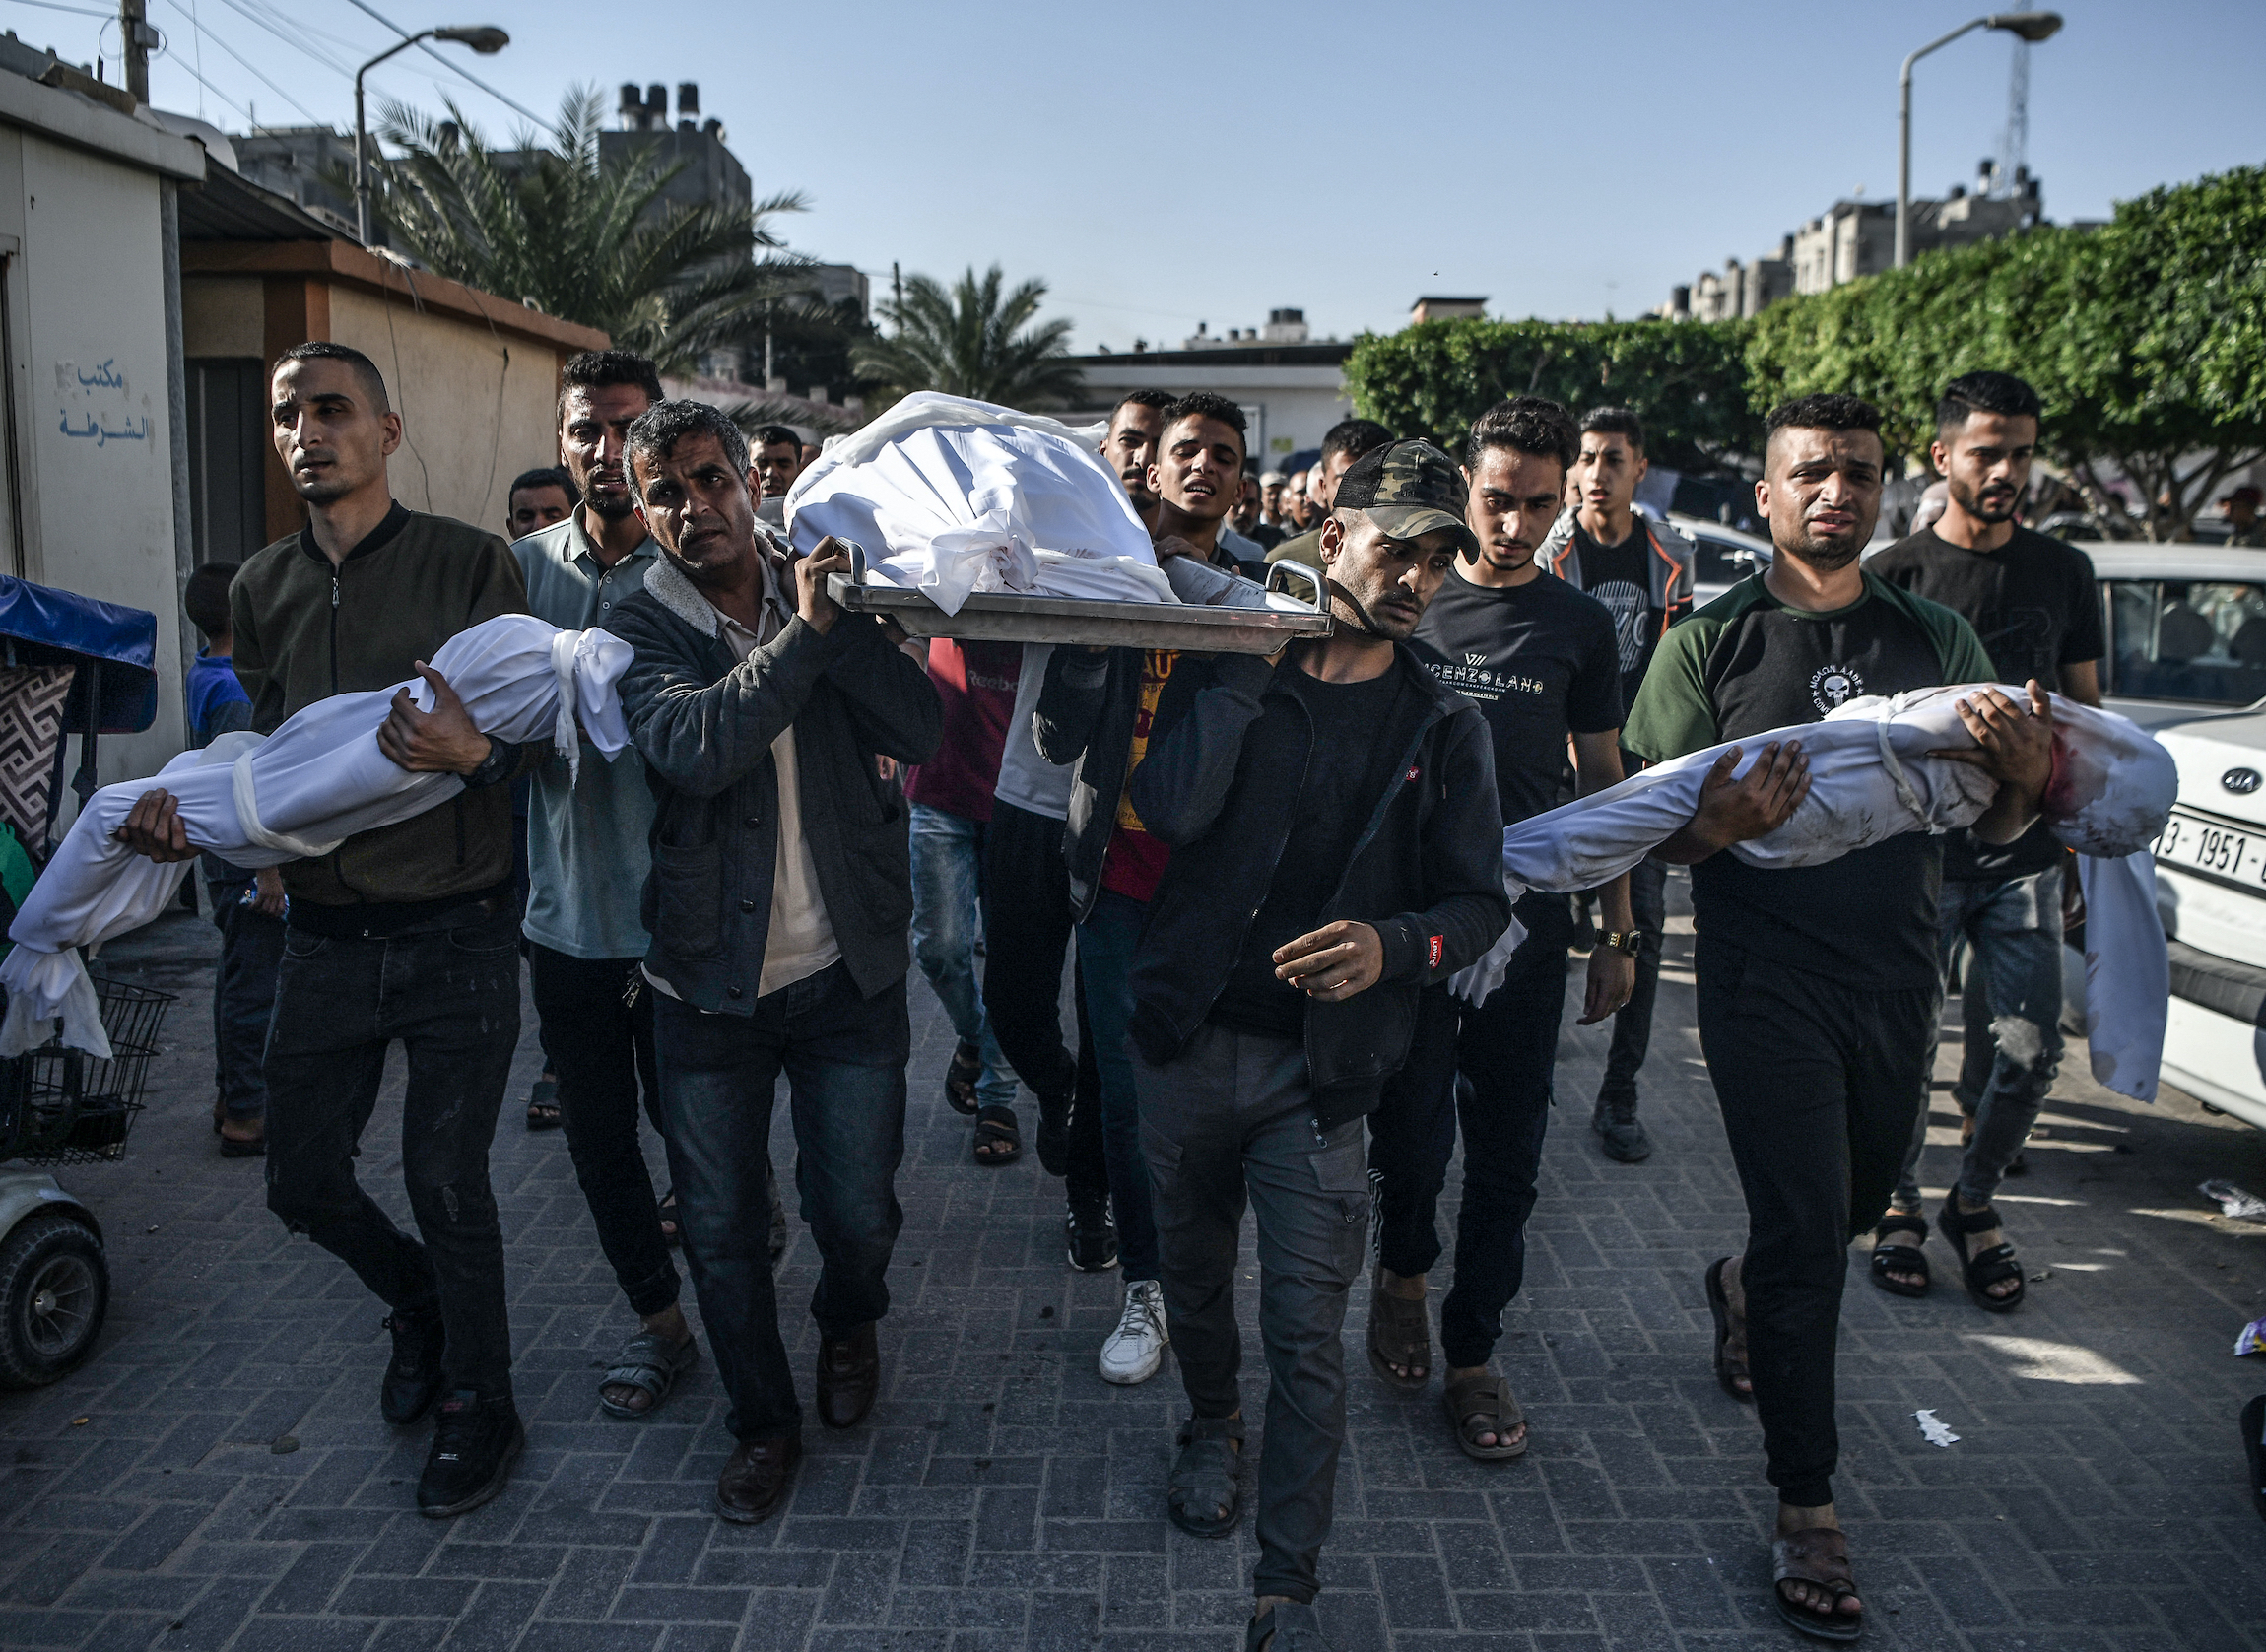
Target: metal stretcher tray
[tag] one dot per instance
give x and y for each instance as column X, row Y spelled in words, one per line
column 1069, row 620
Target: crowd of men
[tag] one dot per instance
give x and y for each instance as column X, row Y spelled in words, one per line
column 1260, row 871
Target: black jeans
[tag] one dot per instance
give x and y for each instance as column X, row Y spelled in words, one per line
column 450, row 994
column 1632, row 1022
column 604, row 1049
column 844, row 1059
column 1027, row 929
column 1505, row 1049
column 1817, row 1082
column 243, row 997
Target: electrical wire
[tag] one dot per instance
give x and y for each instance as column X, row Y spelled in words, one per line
column 288, row 37
column 224, row 99
column 454, row 67
column 312, row 117
column 75, row 11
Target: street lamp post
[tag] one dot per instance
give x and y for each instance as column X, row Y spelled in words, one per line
column 2030, row 25
column 484, row 41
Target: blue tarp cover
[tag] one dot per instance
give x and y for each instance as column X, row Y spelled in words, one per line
column 45, row 626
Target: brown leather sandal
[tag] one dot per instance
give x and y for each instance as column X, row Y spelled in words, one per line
column 1820, row 1556
column 1483, row 1404
column 1730, row 1337
column 1400, row 1334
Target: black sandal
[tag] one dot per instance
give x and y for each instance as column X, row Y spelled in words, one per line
column 1289, row 1626
column 651, row 1362
column 1730, row 1369
column 1400, row 1334
column 1819, row 1554
column 1903, row 1259
column 543, row 1105
column 996, row 1125
column 959, row 1077
column 1204, row 1479
column 1985, row 1268
column 1485, row 1405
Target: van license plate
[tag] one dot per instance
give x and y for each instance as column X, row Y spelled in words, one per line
column 2195, row 845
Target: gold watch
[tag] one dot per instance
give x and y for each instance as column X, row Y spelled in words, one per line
column 1625, row 940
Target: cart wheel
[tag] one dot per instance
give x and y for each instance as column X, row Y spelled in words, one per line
column 54, row 1289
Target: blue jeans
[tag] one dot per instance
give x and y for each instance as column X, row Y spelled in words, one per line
column 2013, row 931
column 1106, row 943
column 844, row 1059
column 947, row 919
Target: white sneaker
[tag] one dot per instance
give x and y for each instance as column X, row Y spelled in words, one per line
column 1136, row 1347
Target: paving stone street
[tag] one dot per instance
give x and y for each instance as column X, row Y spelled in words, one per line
column 216, row 1475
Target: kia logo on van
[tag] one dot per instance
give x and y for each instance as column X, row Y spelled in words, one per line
column 2240, row 781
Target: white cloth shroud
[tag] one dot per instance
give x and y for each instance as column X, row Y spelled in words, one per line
column 298, row 793
column 1871, row 779
column 951, row 497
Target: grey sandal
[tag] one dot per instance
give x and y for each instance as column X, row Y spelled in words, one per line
column 1400, row 1334
column 1291, row 1626
column 1485, row 1405
column 648, row 1362
column 1204, row 1480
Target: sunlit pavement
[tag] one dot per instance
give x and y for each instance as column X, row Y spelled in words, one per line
column 218, row 1477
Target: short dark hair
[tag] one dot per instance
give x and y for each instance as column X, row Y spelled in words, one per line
column 1986, row 392
column 1203, row 403
column 779, row 435
column 322, row 350
column 660, row 428
column 1533, row 425
column 551, row 476
column 598, row 369
column 205, row 598
column 1352, row 437
column 1615, row 422
column 1158, row 400
column 1825, row 411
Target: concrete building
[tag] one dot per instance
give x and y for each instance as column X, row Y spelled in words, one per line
column 299, row 163
column 1446, row 309
column 90, row 391
column 1289, row 387
column 1851, row 240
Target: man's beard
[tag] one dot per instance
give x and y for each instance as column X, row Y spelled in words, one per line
column 1971, row 502
column 610, row 507
column 1825, row 558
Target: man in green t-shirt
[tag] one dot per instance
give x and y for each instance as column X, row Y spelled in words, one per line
column 1817, row 985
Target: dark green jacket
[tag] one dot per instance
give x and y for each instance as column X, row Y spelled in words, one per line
column 306, row 630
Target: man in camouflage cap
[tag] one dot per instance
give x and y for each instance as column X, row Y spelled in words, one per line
column 1353, row 796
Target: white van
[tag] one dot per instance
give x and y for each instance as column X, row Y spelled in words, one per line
column 2186, row 628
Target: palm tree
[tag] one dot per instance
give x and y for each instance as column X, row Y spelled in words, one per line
column 582, row 238
column 972, row 342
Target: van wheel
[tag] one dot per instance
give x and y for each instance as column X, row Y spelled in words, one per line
column 54, row 1290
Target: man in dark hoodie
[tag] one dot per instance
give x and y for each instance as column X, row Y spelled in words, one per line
column 1337, row 847
column 410, row 932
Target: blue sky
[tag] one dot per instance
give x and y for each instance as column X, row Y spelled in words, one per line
column 1172, row 162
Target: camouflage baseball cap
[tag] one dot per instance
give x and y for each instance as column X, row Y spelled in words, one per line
column 1408, row 488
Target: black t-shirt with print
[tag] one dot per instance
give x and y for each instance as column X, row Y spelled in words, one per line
column 1346, row 773
column 1619, row 576
column 1539, row 660
column 1746, row 664
column 2035, row 605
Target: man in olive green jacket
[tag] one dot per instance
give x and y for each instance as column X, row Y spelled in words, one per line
column 409, row 932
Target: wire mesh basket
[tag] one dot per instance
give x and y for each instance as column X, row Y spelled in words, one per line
column 64, row 1107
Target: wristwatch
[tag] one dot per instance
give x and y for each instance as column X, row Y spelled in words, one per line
column 1623, row 940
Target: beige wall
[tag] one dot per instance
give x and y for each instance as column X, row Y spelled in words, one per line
column 87, row 323
column 476, row 406
column 221, row 316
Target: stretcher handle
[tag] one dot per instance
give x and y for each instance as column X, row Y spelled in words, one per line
column 1313, row 581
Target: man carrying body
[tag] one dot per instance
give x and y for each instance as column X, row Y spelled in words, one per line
column 587, row 861
column 408, row 932
column 1342, row 443
column 539, row 499
column 1817, row 984
column 1538, row 659
column 777, row 905
column 1336, row 849
column 2031, row 601
column 1097, row 710
column 1642, row 570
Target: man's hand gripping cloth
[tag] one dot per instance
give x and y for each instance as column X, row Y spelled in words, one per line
column 299, row 793
column 1871, row 778
column 951, row 497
